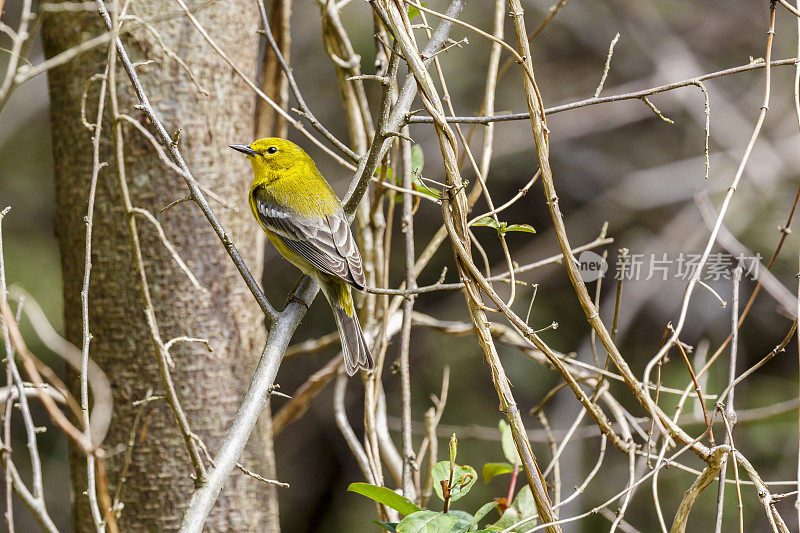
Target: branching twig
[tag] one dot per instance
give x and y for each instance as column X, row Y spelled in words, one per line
column 715, row 460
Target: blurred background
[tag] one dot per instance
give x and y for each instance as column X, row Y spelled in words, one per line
column 616, row 163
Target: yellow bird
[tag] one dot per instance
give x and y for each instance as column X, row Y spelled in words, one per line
column 304, row 219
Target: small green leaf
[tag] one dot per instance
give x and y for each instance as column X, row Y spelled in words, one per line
column 463, row 479
column 388, row 497
column 413, row 12
column 489, row 222
column 520, row 227
column 522, row 508
column 387, row 526
column 503, row 227
column 523, row 502
column 426, row 522
column 463, row 521
column 483, row 511
column 507, row 440
column 379, row 172
column 453, row 448
column 418, row 186
column 417, row 159
column 490, row 470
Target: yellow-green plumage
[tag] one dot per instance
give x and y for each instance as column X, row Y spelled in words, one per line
column 304, row 220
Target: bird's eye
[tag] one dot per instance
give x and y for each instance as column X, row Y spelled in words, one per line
column 272, row 149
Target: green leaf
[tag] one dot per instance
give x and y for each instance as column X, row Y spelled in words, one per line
column 483, row 511
column 379, row 172
column 489, row 222
column 388, row 497
column 387, row 526
column 491, row 470
column 417, row 159
column 507, row 440
column 453, row 448
column 417, row 162
column 418, row 186
column 463, row 479
column 509, row 518
column 413, row 12
column 520, row 227
column 523, row 502
column 463, row 521
column 426, row 522
column 522, row 508
column 503, row 227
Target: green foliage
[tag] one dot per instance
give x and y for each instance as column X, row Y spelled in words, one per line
column 413, row 12
column 417, row 159
column 490, row 470
column 417, row 162
column 463, row 479
column 503, row 227
column 418, row 520
column 507, row 440
column 388, row 497
column 424, row 189
column 464, row 521
column 379, row 170
column 427, row 522
column 433, row 522
column 522, row 508
column 452, row 448
column 483, row 511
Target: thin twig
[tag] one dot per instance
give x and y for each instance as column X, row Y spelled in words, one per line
column 729, row 412
column 636, row 95
column 169, row 246
column 607, row 66
column 33, row 500
column 407, row 227
column 97, row 165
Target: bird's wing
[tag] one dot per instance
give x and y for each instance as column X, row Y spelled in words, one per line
column 325, row 242
column 347, row 248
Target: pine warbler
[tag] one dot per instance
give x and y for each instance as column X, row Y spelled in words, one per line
column 304, row 219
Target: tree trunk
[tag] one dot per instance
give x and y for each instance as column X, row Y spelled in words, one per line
column 210, row 385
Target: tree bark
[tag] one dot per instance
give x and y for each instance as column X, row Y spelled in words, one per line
column 210, row 385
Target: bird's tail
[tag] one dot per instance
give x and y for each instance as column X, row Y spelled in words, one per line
column 354, row 347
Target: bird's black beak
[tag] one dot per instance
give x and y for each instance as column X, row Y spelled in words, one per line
column 243, row 148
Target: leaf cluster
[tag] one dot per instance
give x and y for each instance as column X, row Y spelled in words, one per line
column 451, row 482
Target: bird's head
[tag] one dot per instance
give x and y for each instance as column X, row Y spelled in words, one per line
column 272, row 154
